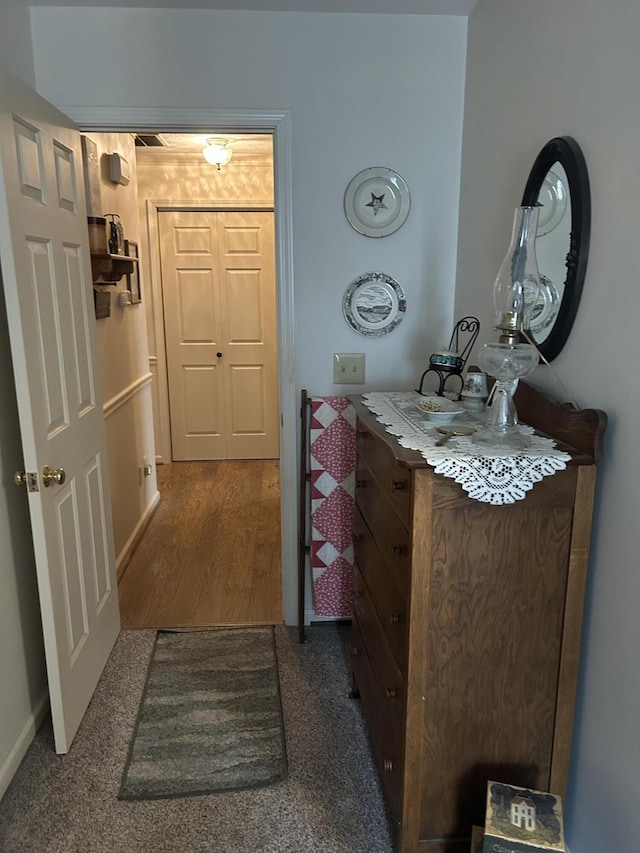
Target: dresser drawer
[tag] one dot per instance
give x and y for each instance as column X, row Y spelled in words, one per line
column 387, row 585
column 391, row 682
column 389, row 531
column 395, row 481
column 385, row 745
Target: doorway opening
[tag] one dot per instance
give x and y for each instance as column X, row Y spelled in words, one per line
column 209, row 247
column 211, row 553
column 125, row 120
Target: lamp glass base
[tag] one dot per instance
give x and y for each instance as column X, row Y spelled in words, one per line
column 502, row 437
column 507, row 363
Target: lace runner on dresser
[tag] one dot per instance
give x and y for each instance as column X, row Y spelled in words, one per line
column 488, row 476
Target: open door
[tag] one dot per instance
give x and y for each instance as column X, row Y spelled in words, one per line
column 46, row 270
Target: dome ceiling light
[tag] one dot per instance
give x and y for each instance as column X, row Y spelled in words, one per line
column 217, row 151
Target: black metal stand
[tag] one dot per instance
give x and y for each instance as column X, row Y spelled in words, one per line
column 442, row 375
column 468, row 326
column 303, row 548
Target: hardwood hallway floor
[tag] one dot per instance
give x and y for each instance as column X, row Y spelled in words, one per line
column 211, row 553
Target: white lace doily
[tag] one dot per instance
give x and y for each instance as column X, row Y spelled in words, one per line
column 491, row 477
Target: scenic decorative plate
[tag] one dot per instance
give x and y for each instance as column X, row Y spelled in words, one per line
column 374, row 304
column 377, row 202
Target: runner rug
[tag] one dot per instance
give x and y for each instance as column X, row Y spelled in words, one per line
column 210, row 717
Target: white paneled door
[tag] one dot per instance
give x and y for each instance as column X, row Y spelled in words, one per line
column 46, row 271
column 218, row 285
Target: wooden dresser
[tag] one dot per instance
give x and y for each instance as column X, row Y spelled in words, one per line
column 467, row 622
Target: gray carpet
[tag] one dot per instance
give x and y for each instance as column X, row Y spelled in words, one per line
column 330, row 801
column 210, row 718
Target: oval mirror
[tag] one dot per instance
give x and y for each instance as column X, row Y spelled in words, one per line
column 559, row 183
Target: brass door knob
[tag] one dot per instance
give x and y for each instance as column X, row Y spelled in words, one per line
column 53, row 475
column 19, row 478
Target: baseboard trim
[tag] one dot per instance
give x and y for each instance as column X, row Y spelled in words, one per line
column 124, row 557
column 23, row 742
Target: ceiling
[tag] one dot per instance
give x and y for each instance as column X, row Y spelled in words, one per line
column 253, row 147
column 383, row 7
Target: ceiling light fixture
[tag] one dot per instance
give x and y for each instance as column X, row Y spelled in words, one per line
column 217, row 151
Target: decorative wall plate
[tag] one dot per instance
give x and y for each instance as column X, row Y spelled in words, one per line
column 377, row 202
column 374, row 304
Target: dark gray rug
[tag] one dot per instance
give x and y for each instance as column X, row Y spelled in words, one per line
column 210, row 717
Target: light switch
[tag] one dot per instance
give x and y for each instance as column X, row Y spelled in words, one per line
column 348, row 368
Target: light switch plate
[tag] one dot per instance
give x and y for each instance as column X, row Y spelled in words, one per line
column 348, row 368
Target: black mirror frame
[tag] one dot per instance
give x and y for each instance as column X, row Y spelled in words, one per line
column 567, row 152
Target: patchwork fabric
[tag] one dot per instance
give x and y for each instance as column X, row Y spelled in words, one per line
column 332, row 446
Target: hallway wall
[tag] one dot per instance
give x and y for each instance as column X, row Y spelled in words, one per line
column 126, row 380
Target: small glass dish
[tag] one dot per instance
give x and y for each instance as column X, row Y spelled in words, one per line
column 440, row 410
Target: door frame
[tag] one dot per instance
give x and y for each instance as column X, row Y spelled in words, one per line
column 277, row 123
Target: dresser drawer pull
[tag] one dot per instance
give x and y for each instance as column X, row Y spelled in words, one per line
column 392, row 693
column 360, row 484
column 357, row 537
column 395, row 618
column 354, row 651
column 398, row 485
column 388, row 765
column 397, row 550
column 362, row 433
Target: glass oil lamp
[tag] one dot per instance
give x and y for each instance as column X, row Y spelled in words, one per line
column 514, row 294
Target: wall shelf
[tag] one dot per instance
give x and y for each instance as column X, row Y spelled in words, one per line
column 109, row 269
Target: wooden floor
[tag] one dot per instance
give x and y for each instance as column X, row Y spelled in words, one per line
column 211, row 553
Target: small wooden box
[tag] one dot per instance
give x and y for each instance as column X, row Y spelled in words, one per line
column 103, row 304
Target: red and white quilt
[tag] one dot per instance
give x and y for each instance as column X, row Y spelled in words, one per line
column 332, row 446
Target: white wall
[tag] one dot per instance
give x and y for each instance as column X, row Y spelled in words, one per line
column 363, row 90
column 16, row 51
column 124, row 366
column 535, row 71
